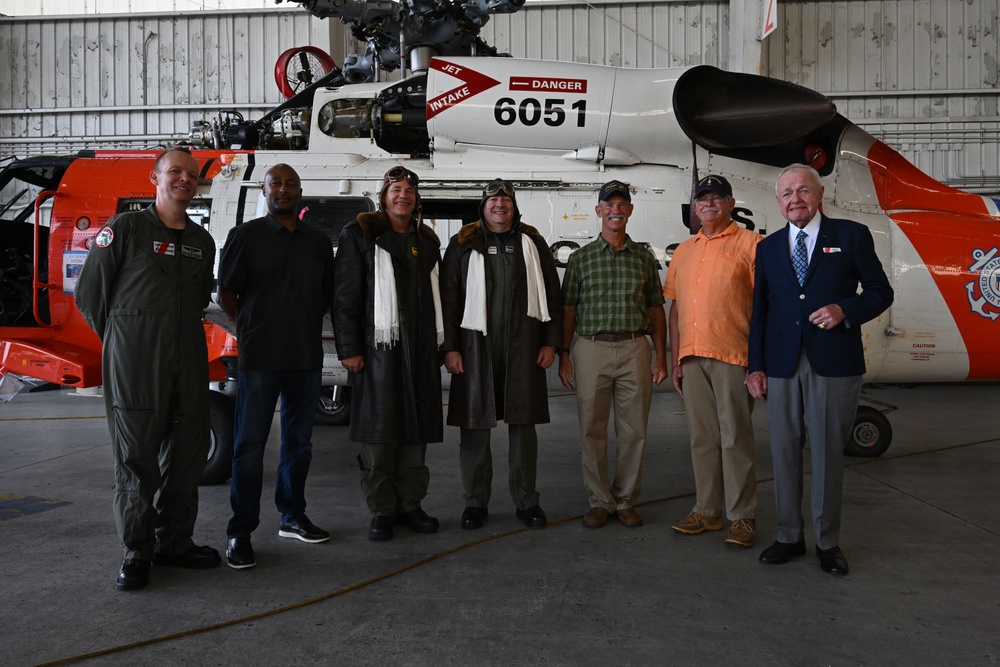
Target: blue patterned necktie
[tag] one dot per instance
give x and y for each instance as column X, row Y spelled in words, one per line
column 800, row 258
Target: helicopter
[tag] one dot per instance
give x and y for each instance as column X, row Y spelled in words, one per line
column 459, row 116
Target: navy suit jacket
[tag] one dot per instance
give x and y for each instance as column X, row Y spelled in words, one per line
column 844, row 257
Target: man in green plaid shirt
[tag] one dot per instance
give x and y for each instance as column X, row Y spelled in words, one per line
column 613, row 301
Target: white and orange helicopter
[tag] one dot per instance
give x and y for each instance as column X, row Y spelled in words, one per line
column 557, row 130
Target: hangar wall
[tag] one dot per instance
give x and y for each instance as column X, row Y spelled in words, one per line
column 922, row 76
column 137, row 79
column 618, row 34
column 57, row 7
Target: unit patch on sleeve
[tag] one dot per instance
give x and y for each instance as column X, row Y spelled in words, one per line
column 105, row 237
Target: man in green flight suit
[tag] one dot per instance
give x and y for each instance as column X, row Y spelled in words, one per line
column 143, row 289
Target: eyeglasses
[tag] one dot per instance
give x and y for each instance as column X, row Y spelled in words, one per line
column 803, row 192
column 706, row 201
column 402, row 173
column 499, row 186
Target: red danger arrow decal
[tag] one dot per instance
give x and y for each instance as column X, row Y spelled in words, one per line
column 473, row 84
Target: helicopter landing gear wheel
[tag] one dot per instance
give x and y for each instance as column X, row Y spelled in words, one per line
column 871, row 434
column 298, row 67
column 219, row 466
column 334, row 407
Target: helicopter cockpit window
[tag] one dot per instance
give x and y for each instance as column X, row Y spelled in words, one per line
column 21, row 181
column 446, row 216
column 330, row 214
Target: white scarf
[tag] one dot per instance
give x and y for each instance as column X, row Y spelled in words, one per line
column 538, row 306
column 436, row 296
column 474, row 317
column 387, row 306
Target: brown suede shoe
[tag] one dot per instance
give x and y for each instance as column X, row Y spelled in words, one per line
column 629, row 517
column 742, row 533
column 695, row 524
column 596, row 517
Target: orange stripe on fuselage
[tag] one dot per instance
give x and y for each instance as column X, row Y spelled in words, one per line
column 954, row 234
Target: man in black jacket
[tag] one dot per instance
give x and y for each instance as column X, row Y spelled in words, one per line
column 276, row 282
column 386, row 321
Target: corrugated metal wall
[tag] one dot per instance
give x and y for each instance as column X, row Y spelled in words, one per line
column 62, row 7
column 636, row 34
column 921, row 75
column 133, row 79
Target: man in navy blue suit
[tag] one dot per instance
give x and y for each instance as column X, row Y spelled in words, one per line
column 807, row 357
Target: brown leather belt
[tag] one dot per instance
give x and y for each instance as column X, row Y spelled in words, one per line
column 615, row 337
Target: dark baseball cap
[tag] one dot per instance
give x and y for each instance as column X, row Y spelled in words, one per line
column 716, row 184
column 614, row 188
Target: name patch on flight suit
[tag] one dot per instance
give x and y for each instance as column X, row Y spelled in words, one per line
column 509, row 249
column 191, row 251
column 163, row 248
column 492, row 249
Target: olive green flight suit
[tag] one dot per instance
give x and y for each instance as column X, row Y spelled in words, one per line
column 144, row 290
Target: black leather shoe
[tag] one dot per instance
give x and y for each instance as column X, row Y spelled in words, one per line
column 418, row 520
column 782, row 552
column 474, row 517
column 239, row 553
column 380, row 529
column 133, row 575
column 832, row 560
column 195, row 558
column 303, row 529
column 533, row 517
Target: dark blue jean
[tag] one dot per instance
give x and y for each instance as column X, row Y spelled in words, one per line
column 257, row 394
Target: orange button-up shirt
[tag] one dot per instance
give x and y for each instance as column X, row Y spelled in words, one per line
column 711, row 282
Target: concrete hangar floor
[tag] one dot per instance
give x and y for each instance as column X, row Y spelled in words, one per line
column 921, row 532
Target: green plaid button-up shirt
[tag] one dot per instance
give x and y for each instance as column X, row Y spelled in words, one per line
column 612, row 290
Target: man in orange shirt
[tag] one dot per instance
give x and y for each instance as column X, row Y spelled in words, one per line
column 710, row 282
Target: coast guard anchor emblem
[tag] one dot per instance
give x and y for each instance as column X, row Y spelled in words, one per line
column 984, row 292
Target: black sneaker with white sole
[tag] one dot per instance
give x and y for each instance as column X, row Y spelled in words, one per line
column 303, row 529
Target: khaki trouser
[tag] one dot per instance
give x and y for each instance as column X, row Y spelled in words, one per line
column 719, row 410
column 619, row 374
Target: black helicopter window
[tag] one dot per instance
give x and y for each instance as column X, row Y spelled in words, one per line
column 330, row 214
column 199, row 209
column 446, row 216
